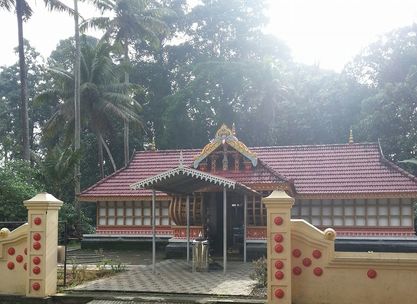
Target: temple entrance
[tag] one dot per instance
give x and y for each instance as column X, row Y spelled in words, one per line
column 214, row 223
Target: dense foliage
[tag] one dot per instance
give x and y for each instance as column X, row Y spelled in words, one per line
column 18, row 182
column 175, row 73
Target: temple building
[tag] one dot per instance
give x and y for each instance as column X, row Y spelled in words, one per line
column 350, row 187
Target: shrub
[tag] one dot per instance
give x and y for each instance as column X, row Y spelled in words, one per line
column 18, row 182
column 260, row 272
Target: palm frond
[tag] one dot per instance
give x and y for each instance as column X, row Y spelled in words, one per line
column 104, row 5
column 8, row 5
column 56, row 5
column 101, row 23
column 26, row 10
column 120, row 111
column 409, row 161
column 61, row 72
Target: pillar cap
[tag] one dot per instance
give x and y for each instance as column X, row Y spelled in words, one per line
column 278, row 197
column 43, row 200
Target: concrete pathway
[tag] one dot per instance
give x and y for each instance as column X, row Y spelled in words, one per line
column 175, row 277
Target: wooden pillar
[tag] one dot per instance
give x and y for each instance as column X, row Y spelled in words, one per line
column 245, row 224
column 153, row 232
column 42, row 245
column 188, row 226
column 224, row 230
column 279, row 206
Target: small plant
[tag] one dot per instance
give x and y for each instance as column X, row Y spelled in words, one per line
column 110, row 266
column 102, row 265
column 74, row 269
column 118, row 266
column 99, row 251
column 260, row 272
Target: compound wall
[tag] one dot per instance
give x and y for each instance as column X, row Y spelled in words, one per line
column 304, row 268
column 28, row 254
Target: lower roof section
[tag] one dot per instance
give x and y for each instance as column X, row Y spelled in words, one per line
column 184, row 180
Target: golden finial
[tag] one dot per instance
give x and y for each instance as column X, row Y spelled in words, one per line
column 151, row 146
column 351, row 136
column 153, row 143
column 233, row 129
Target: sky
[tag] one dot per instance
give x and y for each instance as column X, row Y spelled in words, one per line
column 328, row 33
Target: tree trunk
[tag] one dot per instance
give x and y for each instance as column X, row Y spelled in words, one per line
column 113, row 163
column 77, row 113
column 126, row 122
column 24, row 116
column 100, row 155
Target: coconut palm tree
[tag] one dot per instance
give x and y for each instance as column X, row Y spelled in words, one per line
column 131, row 21
column 23, row 13
column 102, row 97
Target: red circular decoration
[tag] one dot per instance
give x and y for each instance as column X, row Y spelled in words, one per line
column 317, row 253
column 19, row 259
column 279, row 264
column 306, row 262
column 36, row 270
column 25, row 251
column 36, row 260
column 279, row 293
column 296, row 253
column 318, row 271
column 37, row 236
column 36, row 286
column 11, row 251
column 279, row 248
column 278, row 237
column 296, row 270
column 25, row 266
column 371, row 273
column 37, row 220
column 279, row 275
column 36, row 245
column 278, row 220
column 10, row 265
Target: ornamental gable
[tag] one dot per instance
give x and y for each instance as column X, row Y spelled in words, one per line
column 225, row 153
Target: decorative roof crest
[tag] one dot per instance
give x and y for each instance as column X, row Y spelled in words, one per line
column 181, row 160
column 351, row 136
column 225, row 135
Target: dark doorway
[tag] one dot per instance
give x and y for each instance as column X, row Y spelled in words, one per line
column 235, row 230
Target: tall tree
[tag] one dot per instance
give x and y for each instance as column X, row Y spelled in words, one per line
column 101, row 96
column 219, row 73
column 389, row 67
column 132, row 21
column 23, row 13
column 10, row 119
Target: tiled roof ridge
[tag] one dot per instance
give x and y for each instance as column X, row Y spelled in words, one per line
column 167, row 150
column 317, row 146
column 267, row 147
column 397, row 168
column 272, row 171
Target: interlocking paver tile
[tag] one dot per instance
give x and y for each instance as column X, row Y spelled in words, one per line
column 175, row 276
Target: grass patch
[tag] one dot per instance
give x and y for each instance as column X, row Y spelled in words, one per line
column 78, row 274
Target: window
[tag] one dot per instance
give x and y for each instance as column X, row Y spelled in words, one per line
column 359, row 212
column 137, row 213
column 256, row 214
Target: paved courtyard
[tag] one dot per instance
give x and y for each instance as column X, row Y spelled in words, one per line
column 175, row 276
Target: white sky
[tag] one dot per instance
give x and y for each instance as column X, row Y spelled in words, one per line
column 325, row 32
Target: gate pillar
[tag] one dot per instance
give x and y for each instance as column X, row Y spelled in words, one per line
column 42, row 244
column 278, row 206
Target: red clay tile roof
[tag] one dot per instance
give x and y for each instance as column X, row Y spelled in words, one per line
column 318, row 169
column 338, row 169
